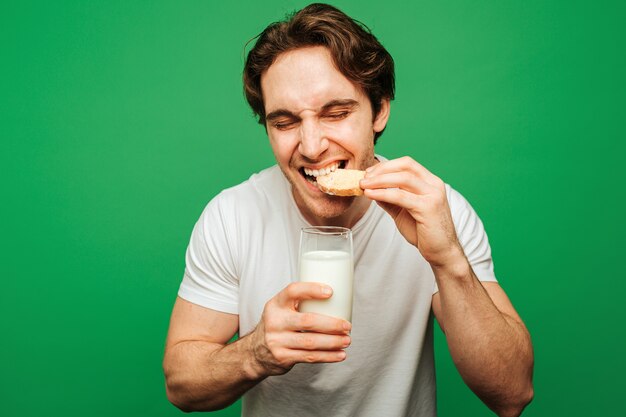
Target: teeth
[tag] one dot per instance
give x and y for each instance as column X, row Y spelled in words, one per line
column 323, row 171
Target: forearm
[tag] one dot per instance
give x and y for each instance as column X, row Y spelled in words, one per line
column 491, row 350
column 202, row 376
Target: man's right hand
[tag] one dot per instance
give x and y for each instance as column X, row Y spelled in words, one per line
column 285, row 336
column 204, row 372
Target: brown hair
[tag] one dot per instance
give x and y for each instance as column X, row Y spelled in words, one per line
column 356, row 53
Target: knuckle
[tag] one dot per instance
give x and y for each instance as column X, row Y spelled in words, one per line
column 293, row 321
column 285, row 363
column 410, row 162
column 306, row 321
column 270, row 307
column 441, row 197
column 291, row 290
column 270, row 322
column 405, row 200
column 267, row 308
column 271, row 342
column 310, row 357
column 282, row 359
column 306, row 341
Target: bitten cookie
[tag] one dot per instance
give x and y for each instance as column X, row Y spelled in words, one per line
column 342, row 182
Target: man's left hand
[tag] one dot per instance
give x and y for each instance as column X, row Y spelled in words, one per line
column 416, row 200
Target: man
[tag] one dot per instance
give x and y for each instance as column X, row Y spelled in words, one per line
column 321, row 85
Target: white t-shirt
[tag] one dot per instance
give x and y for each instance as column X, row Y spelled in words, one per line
column 244, row 250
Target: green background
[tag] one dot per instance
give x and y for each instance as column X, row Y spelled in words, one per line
column 120, row 120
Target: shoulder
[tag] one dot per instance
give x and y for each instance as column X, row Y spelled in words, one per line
column 468, row 225
column 460, row 208
column 454, row 197
column 261, row 189
column 471, row 234
column 250, row 205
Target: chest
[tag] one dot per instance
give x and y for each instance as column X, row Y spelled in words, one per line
column 392, row 282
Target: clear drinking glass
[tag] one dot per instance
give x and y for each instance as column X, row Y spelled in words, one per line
column 326, row 257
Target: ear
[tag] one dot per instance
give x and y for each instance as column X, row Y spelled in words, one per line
column 383, row 115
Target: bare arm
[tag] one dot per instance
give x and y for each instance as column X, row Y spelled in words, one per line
column 204, row 373
column 488, row 341
column 196, row 339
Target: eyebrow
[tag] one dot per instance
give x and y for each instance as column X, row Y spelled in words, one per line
column 333, row 103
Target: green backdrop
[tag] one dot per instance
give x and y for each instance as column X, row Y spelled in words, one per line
column 120, row 120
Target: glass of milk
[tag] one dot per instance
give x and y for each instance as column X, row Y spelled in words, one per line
column 326, row 257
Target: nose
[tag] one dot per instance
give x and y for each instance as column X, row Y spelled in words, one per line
column 313, row 142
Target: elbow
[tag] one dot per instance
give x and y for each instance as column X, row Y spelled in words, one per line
column 186, row 401
column 527, row 398
column 521, row 394
column 189, row 392
column 178, row 395
column 174, row 390
column 177, row 389
column 517, row 405
column 177, row 401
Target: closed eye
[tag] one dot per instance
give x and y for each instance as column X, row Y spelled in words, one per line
column 286, row 125
column 337, row 115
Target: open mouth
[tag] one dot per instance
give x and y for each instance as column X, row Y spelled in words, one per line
column 311, row 174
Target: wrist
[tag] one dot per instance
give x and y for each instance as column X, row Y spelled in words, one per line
column 253, row 370
column 252, row 365
column 456, row 266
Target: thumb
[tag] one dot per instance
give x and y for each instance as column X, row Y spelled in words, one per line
column 297, row 291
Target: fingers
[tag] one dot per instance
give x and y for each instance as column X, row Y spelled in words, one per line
column 316, row 341
column 279, row 351
column 285, row 336
column 297, row 291
column 404, row 180
column 292, row 356
column 405, row 163
column 400, row 164
column 289, row 348
column 319, row 323
column 394, row 197
column 281, row 312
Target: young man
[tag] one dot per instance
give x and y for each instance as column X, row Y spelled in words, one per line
column 321, row 85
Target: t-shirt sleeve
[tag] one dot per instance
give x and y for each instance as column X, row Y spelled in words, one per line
column 472, row 236
column 210, row 278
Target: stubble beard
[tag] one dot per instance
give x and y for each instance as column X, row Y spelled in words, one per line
column 326, row 207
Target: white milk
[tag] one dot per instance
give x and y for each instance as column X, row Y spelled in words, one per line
column 333, row 268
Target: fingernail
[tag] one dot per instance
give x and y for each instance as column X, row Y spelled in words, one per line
column 327, row 290
column 369, row 169
column 347, row 325
column 346, row 341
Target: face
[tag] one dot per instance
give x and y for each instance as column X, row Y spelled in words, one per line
column 318, row 120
